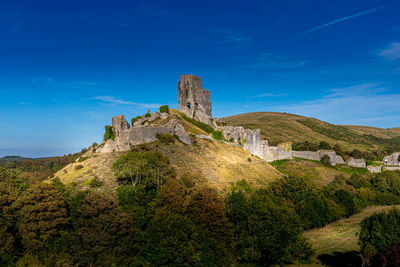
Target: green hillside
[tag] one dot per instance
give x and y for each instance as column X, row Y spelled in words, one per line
column 283, row 127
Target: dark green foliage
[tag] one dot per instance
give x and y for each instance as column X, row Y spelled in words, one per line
column 344, row 198
column 311, row 205
column 356, row 154
column 102, row 234
column 358, row 181
column 326, row 160
column 42, row 216
column 148, row 168
column 231, row 139
column 135, row 120
column 262, row 241
column 217, row 135
column 324, row 145
column 166, row 138
column 147, row 115
column 305, row 146
column 164, row 108
column 109, row 133
column 205, row 127
column 379, row 232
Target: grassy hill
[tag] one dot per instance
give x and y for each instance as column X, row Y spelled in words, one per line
column 283, row 127
column 222, row 164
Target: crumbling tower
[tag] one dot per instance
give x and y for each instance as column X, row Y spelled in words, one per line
column 194, row 100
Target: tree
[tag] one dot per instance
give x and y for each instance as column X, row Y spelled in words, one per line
column 207, row 210
column 103, row 234
column 150, row 168
column 109, row 133
column 356, row 154
column 42, row 216
column 263, row 240
column 326, row 160
column 324, row 145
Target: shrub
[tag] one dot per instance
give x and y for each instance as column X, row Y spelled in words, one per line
column 231, row 139
column 164, row 109
column 148, row 168
column 165, row 138
column 217, row 135
column 380, row 231
column 205, row 127
column 109, row 133
column 326, row 159
column 147, row 115
column 78, row 167
column 324, row 145
column 135, row 120
column 356, row 154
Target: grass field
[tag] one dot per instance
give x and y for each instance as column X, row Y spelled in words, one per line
column 336, row 243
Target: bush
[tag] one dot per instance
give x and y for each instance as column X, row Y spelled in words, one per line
column 379, row 232
column 324, row 145
column 326, row 160
column 78, row 167
column 205, row 127
column 148, row 168
column 147, row 115
column 231, row 139
column 165, row 138
column 135, row 120
column 217, row 135
column 164, row 109
column 109, row 133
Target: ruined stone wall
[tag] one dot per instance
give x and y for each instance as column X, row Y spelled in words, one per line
column 194, row 100
column 356, row 163
column 126, row 136
column 393, row 159
column 311, row 155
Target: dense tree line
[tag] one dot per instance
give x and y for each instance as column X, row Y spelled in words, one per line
column 159, row 218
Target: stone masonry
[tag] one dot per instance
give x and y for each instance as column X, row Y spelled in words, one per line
column 194, row 100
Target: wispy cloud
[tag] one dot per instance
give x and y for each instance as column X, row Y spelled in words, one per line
column 115, row 101
column 359, row 14
column 69, row 84
column 363, row 104
column 391, row 53
column 267, row 95
column 233, row 38
column 269, row 61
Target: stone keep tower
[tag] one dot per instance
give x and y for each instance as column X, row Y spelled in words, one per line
column 194, row 100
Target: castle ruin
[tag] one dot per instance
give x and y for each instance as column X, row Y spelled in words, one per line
column 194, row 100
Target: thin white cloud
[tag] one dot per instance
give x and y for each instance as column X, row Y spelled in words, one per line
column 267, row 95
column 115, row 101
column 359, row 14
column 71, row 84
column 271, row 61
column 391, row 53
column 233, row 38
column 364, row 104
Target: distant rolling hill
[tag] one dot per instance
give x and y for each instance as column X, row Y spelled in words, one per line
column 284, row 127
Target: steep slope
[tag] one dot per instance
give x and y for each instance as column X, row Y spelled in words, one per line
column 283, row 127
column 221, row 164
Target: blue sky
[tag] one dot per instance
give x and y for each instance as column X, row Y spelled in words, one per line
column 67, row 67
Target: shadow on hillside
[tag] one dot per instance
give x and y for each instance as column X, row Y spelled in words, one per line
column 340, row 259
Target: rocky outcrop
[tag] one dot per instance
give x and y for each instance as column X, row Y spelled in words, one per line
column 393, row 159
column 356, row 163
column 126, row 137
column 194, row 100
column 120, row 124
